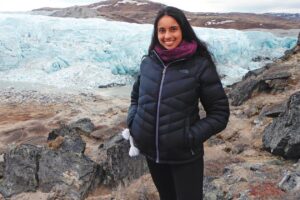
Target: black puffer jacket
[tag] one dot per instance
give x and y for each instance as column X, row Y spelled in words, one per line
column 164, row 116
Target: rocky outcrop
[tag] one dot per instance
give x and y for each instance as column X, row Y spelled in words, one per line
column 272, row 78
column 282, row 136
column 243, row 91
column 118, row 167
column 28, row 168
column 269, row 80
column 74, row 172
column 63, row 170
column 20, row 173
column 81, row 126
column 273, row 110
column 66, row 139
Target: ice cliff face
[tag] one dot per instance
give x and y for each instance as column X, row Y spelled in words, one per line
column 86, row 53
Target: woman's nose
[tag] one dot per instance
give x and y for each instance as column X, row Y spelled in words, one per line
column 167, row 34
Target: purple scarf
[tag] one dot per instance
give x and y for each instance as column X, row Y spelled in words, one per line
column 183, row 50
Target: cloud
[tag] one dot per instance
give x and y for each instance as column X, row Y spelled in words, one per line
column 257, row 6
column 263, row 6
column 26, row 5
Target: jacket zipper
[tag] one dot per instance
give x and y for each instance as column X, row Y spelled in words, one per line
column 157, row 111
column 158, row 102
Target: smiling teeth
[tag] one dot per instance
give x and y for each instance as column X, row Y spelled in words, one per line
column 169, row 42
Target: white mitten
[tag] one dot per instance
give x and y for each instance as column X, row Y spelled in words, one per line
column 133, row 151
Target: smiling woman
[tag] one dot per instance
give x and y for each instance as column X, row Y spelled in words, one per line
column 163, row 117
column 169, row 32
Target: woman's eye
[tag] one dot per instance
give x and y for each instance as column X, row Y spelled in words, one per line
column 173, row 28
column 161, row 30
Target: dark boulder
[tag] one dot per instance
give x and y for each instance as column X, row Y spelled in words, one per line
column 20, row 173
column 62, row 131
column 72, row 141
column 273, row 110
column 118, row 166
column 272, row 80
column 256, row 72
column 276, row 75
column 64, row 171
column 282, row 136
column 84, row 126
column 243, row 91
column 74, row 172
column 277, row 81
column 73, row 144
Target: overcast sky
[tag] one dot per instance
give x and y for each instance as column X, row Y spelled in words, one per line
column 257, row 6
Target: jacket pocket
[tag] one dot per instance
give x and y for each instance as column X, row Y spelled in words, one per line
column 189, row 138
column 141, row 138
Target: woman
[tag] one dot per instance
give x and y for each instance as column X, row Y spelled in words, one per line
column 163, row 117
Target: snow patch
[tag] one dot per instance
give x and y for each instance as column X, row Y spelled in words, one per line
column 101, row 6
column 214, row 22
column 131, row 2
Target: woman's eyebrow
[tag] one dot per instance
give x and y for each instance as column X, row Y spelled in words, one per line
column 168, row 27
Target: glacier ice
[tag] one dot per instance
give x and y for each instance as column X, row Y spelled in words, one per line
column 86, row 53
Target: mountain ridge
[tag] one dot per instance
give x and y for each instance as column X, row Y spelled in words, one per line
column 144, row 11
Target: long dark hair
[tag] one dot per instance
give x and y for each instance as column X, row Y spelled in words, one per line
column 188, row 33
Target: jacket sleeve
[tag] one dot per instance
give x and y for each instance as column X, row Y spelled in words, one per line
column 134, row 102
column 215, row 103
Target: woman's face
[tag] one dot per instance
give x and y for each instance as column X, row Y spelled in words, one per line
column 169, row 32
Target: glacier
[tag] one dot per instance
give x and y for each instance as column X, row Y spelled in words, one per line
column 88, row 53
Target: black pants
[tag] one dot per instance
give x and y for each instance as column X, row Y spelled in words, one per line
column 178, row 181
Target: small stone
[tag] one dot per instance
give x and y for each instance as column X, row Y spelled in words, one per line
column 256, row 167
column 239, row 148
column 290, row 182
column 242, row 179
column 252, row 111
column 244, row 195
column 258, row 121
column 1, row 165
column 84, row 125
column 276, row 162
